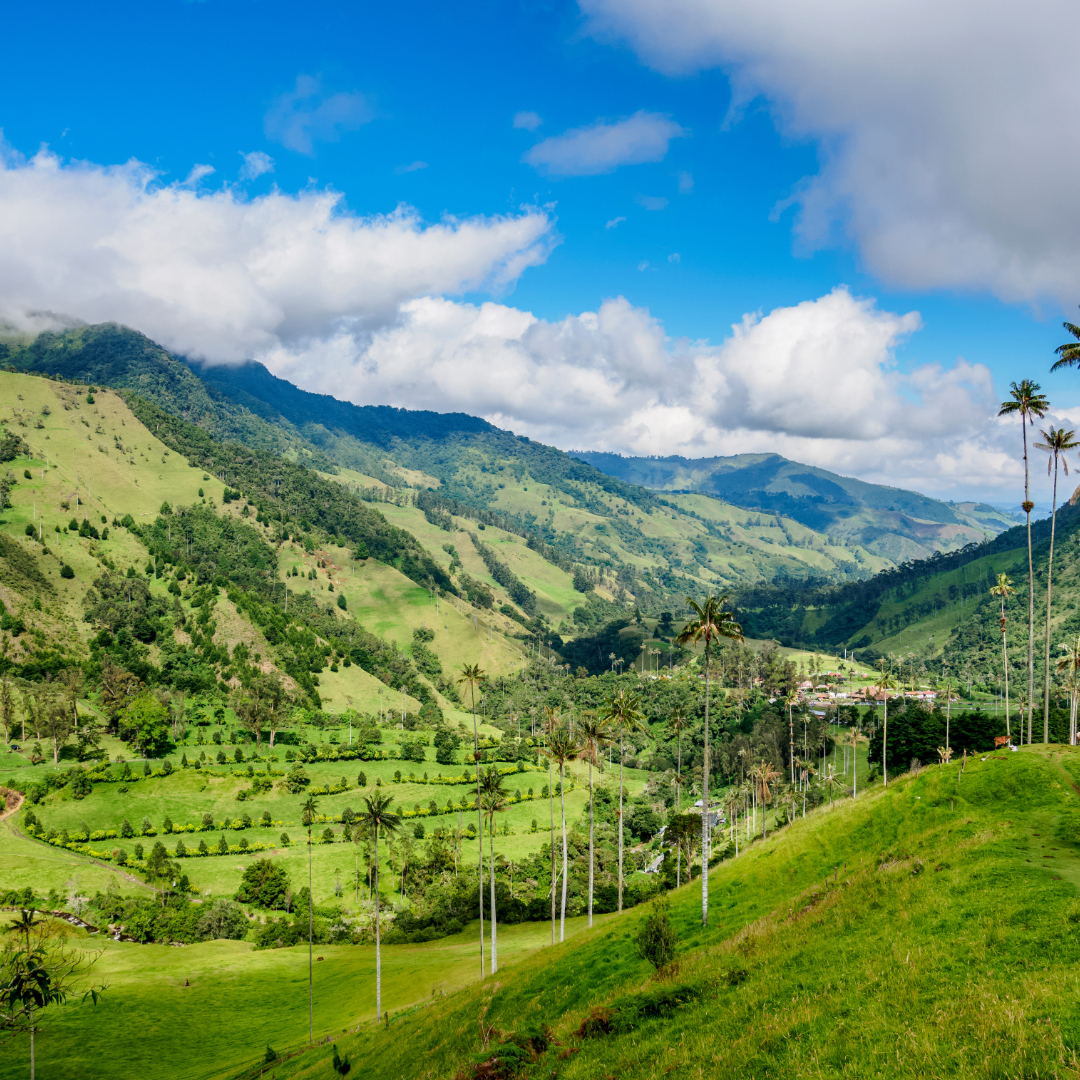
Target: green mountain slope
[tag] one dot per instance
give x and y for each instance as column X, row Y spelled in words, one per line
column 651, row 550
column 890, row 522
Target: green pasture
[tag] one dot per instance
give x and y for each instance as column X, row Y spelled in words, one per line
column 190, row 1013
column 940, row 913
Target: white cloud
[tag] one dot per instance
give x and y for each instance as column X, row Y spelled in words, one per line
column 413, row 167
column 947, row 132
column 196, row 174
column 614, row 223
column 816, row 382
column 530, row 121
column 643, row 265
column 602, row 147
column 306, row 115
column 255, row 164
column 674, row 257
column 686, row 183
column 224, row 277
column 652, row 202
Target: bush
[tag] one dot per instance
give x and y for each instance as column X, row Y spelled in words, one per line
column 264, row 883
column 223, row 920
column 656, row 939
column 285, row 841
column 66, row 571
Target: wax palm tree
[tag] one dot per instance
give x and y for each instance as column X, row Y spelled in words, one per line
column 376, row 817
column 1003, row 590
column 594, row 732
column 1055, row 442
column 1070, row 662
column 763, row 774
column 677, row 723
column 561, row 748
column 307, row 816
column 623, row 712
column 1069, row 353
column 884, row 683
column 551, row 723
column 854, row 738
column 472, row 675
column 709, row 623
column 494, row 799
column 1027, row 402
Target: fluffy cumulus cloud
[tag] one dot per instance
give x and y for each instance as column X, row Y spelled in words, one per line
column 947, row 132
column 307, row 114
column 816, row 382
column 602, row 147
column 217, row 275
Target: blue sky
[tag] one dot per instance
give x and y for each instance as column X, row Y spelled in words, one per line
column 414, row 104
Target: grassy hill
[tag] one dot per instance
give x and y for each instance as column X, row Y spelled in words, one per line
column 890, row 522
column 926, row 929
column 652, row 550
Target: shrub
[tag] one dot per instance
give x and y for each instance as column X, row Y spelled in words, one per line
column 126, row 831
column 203, row 849
column 30, row 530
column 181, row 850
column 208, row 821
column 167, row 826
column 285, row 841
column 341, row 602
column 361, row 780
column 66, row 571
column 656, row 939
column 222, row 920
column 223, row 845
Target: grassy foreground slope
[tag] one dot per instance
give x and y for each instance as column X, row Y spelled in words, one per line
column 924, row 930
column 916, row 932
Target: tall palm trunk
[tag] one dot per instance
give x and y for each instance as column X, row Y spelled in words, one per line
column 551, row 805
column 590, row 842
column 885, row 739
column 705, row 803
column 310, row 941
column 480, row 819
column 562, row 805
column 1031, row 584
column 620, row 819
column 494, row 919
column 1049, row 575
column 378, row 939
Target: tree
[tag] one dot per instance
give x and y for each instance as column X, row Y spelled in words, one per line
column 118, row 688
column 262, row 701
column 264, row 883
column 307, row 818
column 1027, row 402
column 854, row 738
column 160, row 868
column 763, row 774
column 623, row 712
column 551, row 723
column 709, row 623
column 376, row 817
column 473, row 676
column 493, row 800
column 1069, row 353
column 884, row 684
column 1070, row 662
column 681, row 831
column 1003, row 590
column 561, row 748
column 145, row 721
column 73, row 681
column 55, row 722
column 656, row 940
column 1055, row 442
column 7, row 708
column 39, row 975
column 677, row 723
column 594, row 733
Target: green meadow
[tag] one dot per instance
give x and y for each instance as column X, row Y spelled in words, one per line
column 926, row 929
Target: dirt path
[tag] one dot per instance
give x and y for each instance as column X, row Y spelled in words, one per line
column 12, row 801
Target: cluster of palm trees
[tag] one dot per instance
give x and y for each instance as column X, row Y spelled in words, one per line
column 1027, row 401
